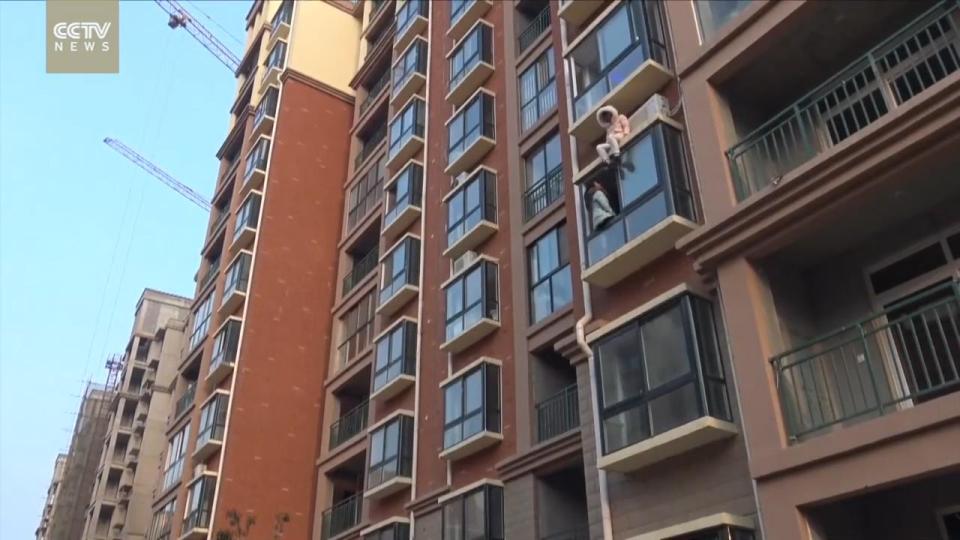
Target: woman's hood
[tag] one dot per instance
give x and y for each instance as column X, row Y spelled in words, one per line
column 610, row 109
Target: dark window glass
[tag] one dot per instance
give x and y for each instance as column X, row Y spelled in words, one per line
column 550, row 283
column 471, row 404
column 473, row 120
column 395, row 354
column 470, row 298
column 391, row 449
column 538, row 90
column 400, row 268
column 474, row 48
column 474, row 201
column 407, row 124
column 475, row 515
column 914, row 265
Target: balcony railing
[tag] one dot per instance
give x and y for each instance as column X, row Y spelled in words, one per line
column 197, row 519
column 558, row 414
column 342, row 516
column 186, row 399
column 374, row 92
column 894, row 359
column 903, row 66
column 370, row 146
column 211, row 273
column 386, row 34
column 543, row 194
column 348, row 425
column 360, row 270
column 535, row 29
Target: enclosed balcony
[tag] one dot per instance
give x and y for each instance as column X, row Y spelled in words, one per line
column 577, row 12
column 889, row 55
column 274, row 65
column 464, row 14
column 390, row 463
column 213, row 425
column 280, row 24
column 472, row 305
column 471, row 212
column 406, row 133
column 620, row 60
column 266, row 112
column 395, row 367
column 411, row 22
column 639, row 208
column 224, row 354
column 199, row 509
column 470, row 63
column 472, row 415
column 248, row 218
column 256, row 164
column 236, row 283
column 471, row 133
column 404, row 198
column 400, row 276
column 410, row 71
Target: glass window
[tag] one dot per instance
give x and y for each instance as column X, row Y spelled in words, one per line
column 395, row 531
column 475, row 515
column 396, row 354
column 404, row 191
column 471, row 297
column 414, row 60
column 713, row 15
column 213, row 419
column 407, row 124
column 225, row 344
column 474, row 201
column 401, row 267
column 473, row 120
column 549, row 266
column 538, row 90
column 277, row 55
column 407, row 13
column 625, row 39
column 365, row 194
column 199, row 503
column 162, row 521
column 257, row 159
column 356, row 329
column 476, row 47
column 176, row 450
column 267, row 108
column 237, row 275
column 391, row 451
column 248, row 216
column 543, row 172
column 471, row 404
column 649, row 373
column 201, row 321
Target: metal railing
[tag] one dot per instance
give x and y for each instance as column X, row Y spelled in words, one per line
column 350, row 424
column 543, row 194
column 374, row 92
column 360, row 270
column 558, row 413
column 211, row 273
column 535, row 29
column 892, row 360
column 342, row 516
column 370, row 146
column 185, row 400
column 386, row 34
column 909, row 62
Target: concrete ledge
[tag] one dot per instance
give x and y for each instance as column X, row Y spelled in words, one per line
column 414, row 29
column 678, row 440
column 388, row 488
column 471, row 445
column 639, row 252
column 407, row 150
column 410, row 86
column 404, row 219
column 699, row 524
column 471, row 239
column 394, row 387
column 465, row 21
column 469, row 83
column 470, row 156
column 469, row 336
column 577, row 11
column 397, row 300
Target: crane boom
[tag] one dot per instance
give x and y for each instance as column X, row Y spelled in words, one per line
column 146, row 165
column 181, row 17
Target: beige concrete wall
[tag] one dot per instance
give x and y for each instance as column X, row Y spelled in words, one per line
column 324, row 44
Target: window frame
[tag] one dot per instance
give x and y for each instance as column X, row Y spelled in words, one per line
column 395, row 275
column 485, row 208
column 365, row 194
column 557, row 235
column 275, row 59
column 418, row 48
column 540, row 88
column 490, row 410
column 493, row 498
column 387, row 360
column 226, row 342
column 257, row 158
column 485, row 126
column 405, row 16
column 412, row 175
column 176, row 453
column 400, row 132
column 488, row 301
column 201, row 322
column 238, row 275
column 694, row 343
column 213, row 419
column 249, row 210
column 482, row 33
column 200, row 495
column 398, row 530
column 163, row 521
column 401, row 460
column 362, row 328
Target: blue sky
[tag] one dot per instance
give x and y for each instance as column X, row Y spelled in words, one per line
column 82, row 230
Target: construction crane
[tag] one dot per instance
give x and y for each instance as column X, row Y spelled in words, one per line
column 146, row 165
column 181, row 17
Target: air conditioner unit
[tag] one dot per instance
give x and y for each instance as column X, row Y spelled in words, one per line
column 463, row 261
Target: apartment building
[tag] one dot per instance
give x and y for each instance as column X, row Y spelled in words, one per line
column 243, row 435
column 445, row 317
column 78, row 470
column 129, row 465
column 51, row 501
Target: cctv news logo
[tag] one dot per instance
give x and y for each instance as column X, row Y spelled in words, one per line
column 82, row 36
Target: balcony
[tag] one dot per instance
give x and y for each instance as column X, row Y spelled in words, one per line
column 401, row 276
column 577, row 11
column 902, row 67
column 342, row 516
column 213, row 270
column 651, row 202
column 370, row 145
column 348, row 426
column 280, row 24
column 627, row 80
column 411, row 22
column 395, row 367
column 373, row 49
column 470, row 63
column 464, row 14
column 186, row 400
column 558, row 414
column 471, row 213
column 471, row 133
column 237, row 282
column 248, row 218
column 266, row 112
column 374, row 93
column 390, row 470
column 224, row 354
column 362, row 268
column 196, row 526
column 894, row 359
column 404, row 197
column 543, row 194
column 213, row 425
column 534, row 29
column 479, row 313
column 256, row 164
column 410, row 71
column 472, row 417
column 276, row 60
column 406, row 133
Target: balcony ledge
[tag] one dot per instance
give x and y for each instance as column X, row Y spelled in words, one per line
column 677, row 441
column 206, row 450
column 414, row 29
column 633, row 92
column 639, row 252
column 281, row 31
column 471, row 239
column 263, row 128
column 218, row 373
column 397, row 300
column 577, row 11
column 470, row 336
column 404, row 219
column 470, row 156
column 388, row 488
column 699, row 524
column 410, row 86
column 254, row 181
column 470, row 15
column 394, row 387
column 407, row 150
column 471, row 445
column 243, row 239
column 232, row 300
column 195, row 533
column 270, row 78
column 477, row 75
